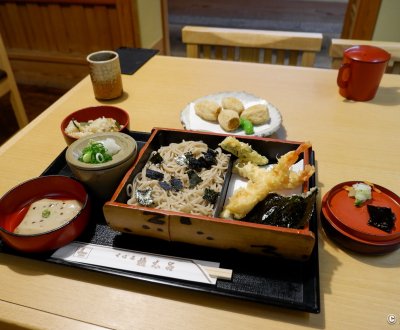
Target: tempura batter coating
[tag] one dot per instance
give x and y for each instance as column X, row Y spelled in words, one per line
column 262, row 182
column 243, row 151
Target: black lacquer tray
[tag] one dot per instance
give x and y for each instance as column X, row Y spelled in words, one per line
column 285, row 283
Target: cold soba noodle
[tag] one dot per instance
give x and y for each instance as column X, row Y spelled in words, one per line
column 187, row 200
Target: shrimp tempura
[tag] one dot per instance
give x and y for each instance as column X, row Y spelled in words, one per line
column 262, row 182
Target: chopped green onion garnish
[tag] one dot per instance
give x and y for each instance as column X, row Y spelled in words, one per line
column 46, row 213
column 95, row 153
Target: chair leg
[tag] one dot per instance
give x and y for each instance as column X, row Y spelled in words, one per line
column 18, row 106
column 9, row 84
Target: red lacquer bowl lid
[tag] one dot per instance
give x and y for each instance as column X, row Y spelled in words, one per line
column 366, row 53
column 350, row 222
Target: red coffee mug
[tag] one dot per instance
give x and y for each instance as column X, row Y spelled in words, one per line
column 361, row 72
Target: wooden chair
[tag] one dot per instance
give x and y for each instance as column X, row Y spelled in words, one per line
column 338, row 46
column 8, row 85
column 275, row 47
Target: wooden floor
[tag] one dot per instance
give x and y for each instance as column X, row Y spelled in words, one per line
column 298, row 15
column 295, row 11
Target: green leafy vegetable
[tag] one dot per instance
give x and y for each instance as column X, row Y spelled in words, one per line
column 117, row 125
column 76, row 125
column 247, row 126
column 95, row 153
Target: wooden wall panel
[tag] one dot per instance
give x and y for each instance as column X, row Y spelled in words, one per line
column 18, row 36
column 56, row 22
column 61, row 33
column 116, row 37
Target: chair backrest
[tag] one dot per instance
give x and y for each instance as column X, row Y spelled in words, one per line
column 275, row 47
column 338, row 46
column 8, row 85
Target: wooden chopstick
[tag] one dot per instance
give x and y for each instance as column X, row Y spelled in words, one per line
column 222, row 273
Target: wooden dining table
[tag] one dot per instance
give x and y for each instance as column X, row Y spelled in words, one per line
column 351, row 140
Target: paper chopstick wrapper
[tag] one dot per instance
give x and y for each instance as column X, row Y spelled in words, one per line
column 180, row 268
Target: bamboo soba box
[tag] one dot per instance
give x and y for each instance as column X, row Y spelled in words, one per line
column 210, row 231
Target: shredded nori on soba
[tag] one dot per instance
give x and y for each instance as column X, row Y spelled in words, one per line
column 210, row 157
column 281, row 211
column 176, row 184
column 210, row 195
column 194, row 179
column 206, row 160
column 155, row 175
column 156, row 158
column 211, row 152
column 165, row 185
column 195, row 164
column 381, row 217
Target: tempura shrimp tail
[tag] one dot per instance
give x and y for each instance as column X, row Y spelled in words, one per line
column 262, row 182
column 303, row 147
column 296, row 179
column 291, row 157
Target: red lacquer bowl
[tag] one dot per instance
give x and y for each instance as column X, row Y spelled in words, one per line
column 14, row 204
column 92, row 113
column 348, row 225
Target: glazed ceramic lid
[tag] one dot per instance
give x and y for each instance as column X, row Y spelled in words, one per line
column 365, row 53
column 127, row 143
column 351, row 221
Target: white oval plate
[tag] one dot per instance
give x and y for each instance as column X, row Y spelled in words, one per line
column 191, row 121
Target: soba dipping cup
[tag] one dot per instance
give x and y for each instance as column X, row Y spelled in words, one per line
column 102, row 179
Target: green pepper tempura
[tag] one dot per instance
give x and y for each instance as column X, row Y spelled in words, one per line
column 95, row 153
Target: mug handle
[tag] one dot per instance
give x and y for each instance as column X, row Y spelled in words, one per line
column 343, row 83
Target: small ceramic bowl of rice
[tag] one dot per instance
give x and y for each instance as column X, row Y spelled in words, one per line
column 91, row 120
column 101, row 160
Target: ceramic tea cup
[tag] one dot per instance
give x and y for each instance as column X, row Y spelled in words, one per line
column 105, row 73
